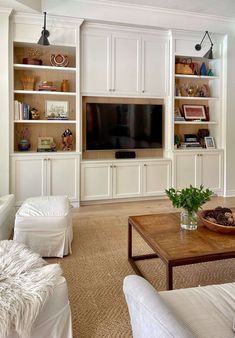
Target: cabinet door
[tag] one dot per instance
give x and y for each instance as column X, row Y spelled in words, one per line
column 63, row 177
column 212, row 171
column 127, row 180
column 28, row 177
column 96, row 181
column 185, row 170
column 95, row 63
column 156, row 178
column 126, row 63
column 154, row 66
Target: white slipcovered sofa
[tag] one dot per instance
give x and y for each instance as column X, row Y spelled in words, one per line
column 205, row 312
column 7, row 216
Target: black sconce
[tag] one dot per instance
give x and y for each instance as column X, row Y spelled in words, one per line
column 44, row 34
column 209, row 53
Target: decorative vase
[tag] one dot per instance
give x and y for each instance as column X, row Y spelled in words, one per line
column 188, row 220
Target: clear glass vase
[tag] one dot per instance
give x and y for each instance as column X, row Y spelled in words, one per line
column 188, row 220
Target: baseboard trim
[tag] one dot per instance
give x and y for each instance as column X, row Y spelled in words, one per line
column 230, row 193
column 120, row 200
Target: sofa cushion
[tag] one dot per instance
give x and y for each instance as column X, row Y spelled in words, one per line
column 207, row 311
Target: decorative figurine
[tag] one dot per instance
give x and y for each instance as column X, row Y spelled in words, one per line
column 67, row 140
column 35, row 115
column 203, row 70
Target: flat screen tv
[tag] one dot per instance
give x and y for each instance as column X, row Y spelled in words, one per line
column 123, row 126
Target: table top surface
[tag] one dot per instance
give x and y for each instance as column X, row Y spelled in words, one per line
column 164, row 235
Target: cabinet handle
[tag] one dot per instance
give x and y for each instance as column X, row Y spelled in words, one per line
column 142, row 90
column 113, row 90
column 44, row 159
column 114, row 166
column 110, row 89
column 111, row 166
column 48, row 159
column 145, row 165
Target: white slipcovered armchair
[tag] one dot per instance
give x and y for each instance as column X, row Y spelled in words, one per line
column 7, row 216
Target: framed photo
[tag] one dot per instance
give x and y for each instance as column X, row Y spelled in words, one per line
column 209, row 142
column 194, row 112
column 45, row 142
column 57, row 110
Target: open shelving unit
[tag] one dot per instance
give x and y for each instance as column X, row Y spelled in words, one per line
column 211, row 101
column 36, row 98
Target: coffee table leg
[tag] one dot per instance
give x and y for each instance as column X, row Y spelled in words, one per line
column 129, row 240
column 169, row 277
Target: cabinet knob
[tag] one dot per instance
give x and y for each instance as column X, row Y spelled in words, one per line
column 145, row 165
column 110, row 89
column 142, row 90
column 114, row 166
column 48, row 159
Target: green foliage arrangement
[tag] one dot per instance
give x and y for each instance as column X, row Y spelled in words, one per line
column 190, row 198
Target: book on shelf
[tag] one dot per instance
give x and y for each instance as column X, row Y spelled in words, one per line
column 185, row 145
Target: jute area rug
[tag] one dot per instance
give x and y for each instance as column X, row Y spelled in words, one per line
column 98, row 265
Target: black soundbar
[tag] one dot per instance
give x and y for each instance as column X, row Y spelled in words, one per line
column 125, row 154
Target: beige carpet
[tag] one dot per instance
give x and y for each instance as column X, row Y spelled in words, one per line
column 96, row 269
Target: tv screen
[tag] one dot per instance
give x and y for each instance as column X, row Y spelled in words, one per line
column 123, row 126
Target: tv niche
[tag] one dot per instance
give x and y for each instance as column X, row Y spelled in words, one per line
column 123, row 126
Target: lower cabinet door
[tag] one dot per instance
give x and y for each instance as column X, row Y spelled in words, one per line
column 127, row 180
column 212, row 171
column 96, row 183
column 63, row 176
column 28, row 177
column 185, row 170
column 156, row 178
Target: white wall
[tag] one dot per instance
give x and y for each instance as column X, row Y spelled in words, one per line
column 230, row 125
column 4, row 102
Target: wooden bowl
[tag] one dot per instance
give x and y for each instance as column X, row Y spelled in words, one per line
column 229, row 230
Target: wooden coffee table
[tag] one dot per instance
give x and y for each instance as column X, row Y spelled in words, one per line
column 175, row 246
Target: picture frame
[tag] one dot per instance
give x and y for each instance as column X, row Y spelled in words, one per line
column 45, row 142
column 194, row 112
column 57, row 110
column 209, row 142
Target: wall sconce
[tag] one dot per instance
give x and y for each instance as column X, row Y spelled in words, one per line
column 44, row 34
column 209, row 53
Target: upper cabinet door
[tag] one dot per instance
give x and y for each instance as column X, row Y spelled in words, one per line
column 95, row 62
column 126, row 63
column 154, row 66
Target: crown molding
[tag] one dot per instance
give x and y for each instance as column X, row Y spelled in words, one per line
column 52, row 20
column 6, row 11
column 129, row 14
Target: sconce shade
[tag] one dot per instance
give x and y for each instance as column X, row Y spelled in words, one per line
column 198, row 46
column 44, row 34
column 209, row 54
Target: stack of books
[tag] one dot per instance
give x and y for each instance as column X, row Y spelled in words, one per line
column 186, row 145
column 47, row 86
column 21, row 110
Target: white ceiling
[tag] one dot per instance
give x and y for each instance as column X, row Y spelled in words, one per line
column 222, row 8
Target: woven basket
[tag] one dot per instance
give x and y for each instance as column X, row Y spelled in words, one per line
column 28, row 82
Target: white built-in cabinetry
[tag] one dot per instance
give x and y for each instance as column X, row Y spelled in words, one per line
column 121, row 62
column 198, row 167
column 124, row 178
column 41, row 175
column 45, row 173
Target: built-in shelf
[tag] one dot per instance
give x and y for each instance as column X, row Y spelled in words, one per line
column 195, row 98
column 43, row 92
column 37, row 67
column 195, row 122
column 196, row 76
column 44, row 121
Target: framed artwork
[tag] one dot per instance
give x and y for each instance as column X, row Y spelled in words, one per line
column 57, row 110
column 209, row 142
column 45, row 142
column 194, row 112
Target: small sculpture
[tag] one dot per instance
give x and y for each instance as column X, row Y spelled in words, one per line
column 67, row 140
